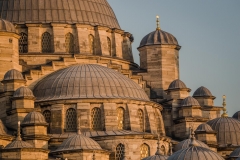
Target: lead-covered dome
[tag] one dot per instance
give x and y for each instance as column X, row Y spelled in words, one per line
column 237, row 115
column 92, row 12
column 23, row 92
column 156, row 157
column 6, row 26
column 204, row 128
column 88, row 81
column 177, row 84
column 189, row 101
column 186, row 143
column 34, row 118
column 13, row 74
column 18, row 144
column 235, row 153
column 202, row 92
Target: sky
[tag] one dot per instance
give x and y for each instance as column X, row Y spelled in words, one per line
column 209, row 33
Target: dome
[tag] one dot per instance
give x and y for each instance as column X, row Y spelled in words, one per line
column 18, row 144
column 158, row 37
column 228, row 131
column 204, row 128
column 13, row 74
column 238, row 158
column 185, row 144
column 88, row 81
column 235, row 153
column 3, row 130
column 6, row 26
column 195, row 153
column 202, row 92
column 78, row 142
column 23, row 92
column 34, row 118
column 237, row 115
column 177, row 84
column 92, row 12
column 156, row 157
column 189, row 101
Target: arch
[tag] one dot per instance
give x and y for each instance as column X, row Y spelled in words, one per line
column 46, row 42
column 109, row 45
column 145, row 150
column 163, row 150
column 71, row 120
column 69, row 42
column 47, row 116
column 120, row 151
column 96, row 119
column 91, row 43
column 120, row 118
column 159, row 123
column 23, row 43
column 141, row 119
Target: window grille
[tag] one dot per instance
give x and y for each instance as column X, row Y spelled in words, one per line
column 145, row 151
column 69, row 43
column 91, row 43
column 120, row 151
column 109, row 46
column 47, row 115
column 23, row 43
column 96, row 119
column 71, row 120
column 141, row 120
column 120, row 118
column 46, row 42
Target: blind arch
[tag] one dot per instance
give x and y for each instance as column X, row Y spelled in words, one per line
column 69, row 43
column 91, row 43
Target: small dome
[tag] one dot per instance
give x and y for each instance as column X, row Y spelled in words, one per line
column 3, row 129
column 228, row 131
column 18, row 144
column 23, row 92
column 13, row 74
column 236, row 115
column 34, row 118
column 185, row 144
column 238, row 158
column 204, row 128
column 78, row 142
column 202, row 92
column 6, row 26
column 195, row 153
column 235, row 153
column 177, row 84
column 156, row 157
column 189, row 101
column 158, row 37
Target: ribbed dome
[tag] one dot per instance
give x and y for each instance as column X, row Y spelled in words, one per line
column 235, row 153
column 6, row 26
column 237, row 115
column 13, row 74
column 177, row 84
column 195, row 153
column 18, row 144
column 78, row 142
column 23, row 92
column 158, row 37
column 156, row 157
column 185, row 144
column 3, row 129
column 228, row 131
column 202, row 92
column 92, row 12
column 88, row 81
column 189, row 101
column 204, row 128
column 34, row 118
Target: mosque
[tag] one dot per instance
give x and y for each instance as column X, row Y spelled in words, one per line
column 70, row 90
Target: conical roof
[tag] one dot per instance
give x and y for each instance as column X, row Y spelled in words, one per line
column 16, row 144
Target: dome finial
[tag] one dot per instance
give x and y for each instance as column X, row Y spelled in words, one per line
column 158, row 24
column 193, row 139
column 224, row 107
column 93, row 157
column 18, row 132
column 171, row 148
column 158, row 147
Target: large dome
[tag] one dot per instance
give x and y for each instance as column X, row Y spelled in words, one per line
column 93, row 12
column 88, row 81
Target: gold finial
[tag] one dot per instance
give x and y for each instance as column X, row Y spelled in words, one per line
column 18, row 132
column 224, row 107
column 158, row 24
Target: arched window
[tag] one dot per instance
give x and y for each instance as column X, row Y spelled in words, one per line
column 46, row 42
column 163, row 150
column 91, row 43
column 69, row 43
column 71, row 120
column 47, row 115
column 145, row 151
column 96, row 119
column 120, row 118
column 23, row 43
column 141, row 120
column 109, row 46
column 120, row 151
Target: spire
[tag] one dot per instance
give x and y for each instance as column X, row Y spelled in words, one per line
column 79, row 131
column 193, row 139
column 158, row 24
column 18, row 132
column 224, row 107
column 158, row 147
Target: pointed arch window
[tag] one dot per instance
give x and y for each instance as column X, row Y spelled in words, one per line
column 71, row 120
column 120, row 151
column 69, row 43
column 141, row 120
column 145, row 151
column 46, row 42
column 23, row 43
column 96, row 119
column 109, row 45
column 47, row 115
column 120, row 118
column 91, row 43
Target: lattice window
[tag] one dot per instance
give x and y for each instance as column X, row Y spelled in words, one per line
column 145, row 151
column 91, row 43
column 141, row 120
column 46, row 42
column 120, row 118
column 47, row 115
column 96, row 119
column 69, row 43
column 23, row 43
column 71, row 120
column 120, row 151
column 109, row 46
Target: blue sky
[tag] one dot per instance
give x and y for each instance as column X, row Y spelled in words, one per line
column 209, row 33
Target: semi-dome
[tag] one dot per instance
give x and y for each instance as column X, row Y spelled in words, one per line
column 23, row 92
column 235, row 153
column 202, row 92
column 237, row 115
column 6, row 26
column 204, row 128
column 158, row 37
column 186, row 143
column 177, row 84
column 228, row 131
column 92, row 12
column 13, row 74
column 88, row 81
column 34, row 118
column 18, row 144
column 189, row 101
